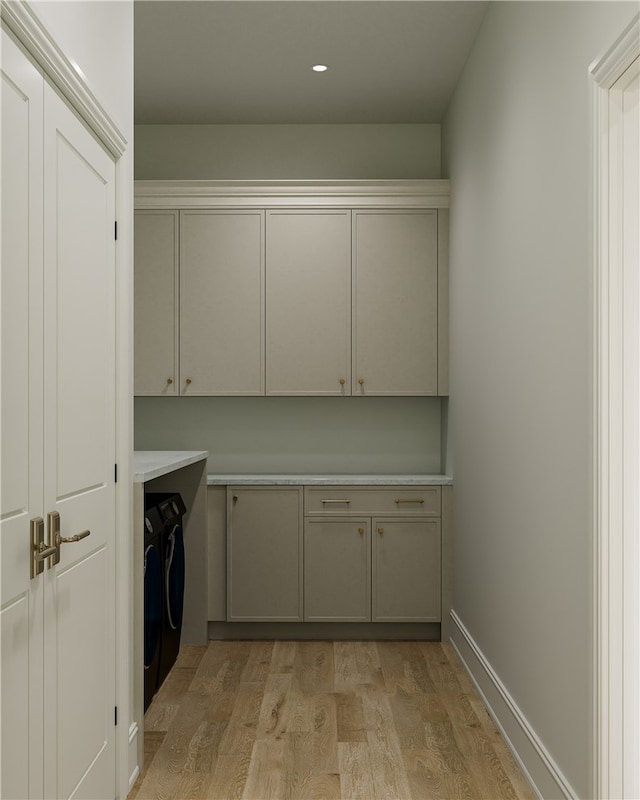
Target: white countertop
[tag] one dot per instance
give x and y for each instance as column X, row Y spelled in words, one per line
column 328, row 480
column 149, row 464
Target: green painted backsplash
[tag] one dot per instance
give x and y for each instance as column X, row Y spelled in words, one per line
column 349, row 435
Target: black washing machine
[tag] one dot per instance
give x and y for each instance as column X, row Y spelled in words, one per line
column 153, row 600
column 171, row 509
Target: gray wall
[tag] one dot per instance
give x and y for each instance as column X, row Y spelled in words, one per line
column 300, row 435
column 291, row 152
column 516, row 148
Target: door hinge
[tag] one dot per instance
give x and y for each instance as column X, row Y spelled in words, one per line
column 115, row 715
column 116, row 229
column 115, row 473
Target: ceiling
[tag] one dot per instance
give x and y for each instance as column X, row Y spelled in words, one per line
column 246, row 62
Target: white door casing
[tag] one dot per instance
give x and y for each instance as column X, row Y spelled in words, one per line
column 58, row 434
column 616, row 457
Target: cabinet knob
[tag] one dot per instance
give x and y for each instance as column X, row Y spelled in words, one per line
column 380, row 531
column 361, row 381
column 188, row 381
column 342, row 381
column 169, row 381
column 360, row 531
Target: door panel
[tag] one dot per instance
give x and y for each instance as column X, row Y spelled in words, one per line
column 406, row 570
column 222, row 302
column 79, row 455
column 337, row 583
column 83, row 729
column 308, row 302
column 395, row 302
column 21, row 433
column 156, row 303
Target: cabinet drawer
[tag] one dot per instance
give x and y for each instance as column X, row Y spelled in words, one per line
column 397, row 500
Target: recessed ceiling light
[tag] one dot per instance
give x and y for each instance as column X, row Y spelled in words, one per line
column 319, row 68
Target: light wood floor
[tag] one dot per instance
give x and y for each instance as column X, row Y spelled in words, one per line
column 302, row 720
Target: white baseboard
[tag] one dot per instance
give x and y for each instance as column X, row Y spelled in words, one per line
column 534, row 760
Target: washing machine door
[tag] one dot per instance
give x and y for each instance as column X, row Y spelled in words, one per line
column 174, row 577
column 152, row 605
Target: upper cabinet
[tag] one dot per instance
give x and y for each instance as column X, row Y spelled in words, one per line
column 222, row 303
column 292, row 289
column 156, row 303
column 395, row 302
column 308, row 302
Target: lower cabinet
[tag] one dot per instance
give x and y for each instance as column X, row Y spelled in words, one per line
column 337, row 570
column 264, row 554
column 406, row 570
column 371, row 569
column 297, row 554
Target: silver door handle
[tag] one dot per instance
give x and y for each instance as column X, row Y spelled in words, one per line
column 68, row 539
column 55, row 539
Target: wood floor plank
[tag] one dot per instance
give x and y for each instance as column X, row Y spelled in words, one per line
column 356, row 775
column 278, row 704
column 429, row 781
column 323, row 721
column 350, row 718
column 389, row 776
column 240, row 733
column 229, row 777
column 315, row 668
column 265, row 779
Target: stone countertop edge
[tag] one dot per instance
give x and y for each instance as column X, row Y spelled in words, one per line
column 150, row 464
column 264, row 479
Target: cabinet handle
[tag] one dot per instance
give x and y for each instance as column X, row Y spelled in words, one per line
column 361, row 381
column 417, row 500
column 169, row 381
column 235, row 498
column 335, row 501
column 342, row 381
column 380, row 531
column 188, row 381
column 360, row 531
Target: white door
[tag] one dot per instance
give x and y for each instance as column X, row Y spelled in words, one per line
column 63, row 617
column 21, row 493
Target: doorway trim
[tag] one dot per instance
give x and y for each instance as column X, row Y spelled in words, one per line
column 616, row 377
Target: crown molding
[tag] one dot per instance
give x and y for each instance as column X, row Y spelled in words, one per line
column 18, row 18
column 266, row 194
column 606, row 70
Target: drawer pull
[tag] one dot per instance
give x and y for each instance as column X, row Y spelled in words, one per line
column 417, row 500
column 324, row 502
column 361, row 531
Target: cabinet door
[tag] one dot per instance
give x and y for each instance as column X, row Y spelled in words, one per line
column 156, row 303
column 406, row 570
column 222, row 303
column 395, row 302
column 308, row 302
column 337, row 585
column 264, row 554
